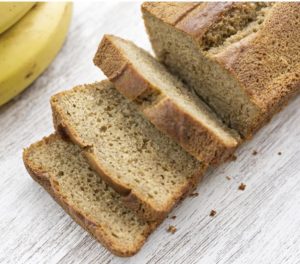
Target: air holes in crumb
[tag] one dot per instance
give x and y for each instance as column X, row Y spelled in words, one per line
column 103, row 128
column 108, row 108
column 113, row 234
column 150, row 196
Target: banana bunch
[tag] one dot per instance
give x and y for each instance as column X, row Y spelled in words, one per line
column 35, row 35
column 11, row 12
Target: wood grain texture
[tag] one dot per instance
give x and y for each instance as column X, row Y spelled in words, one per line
column 257, row 225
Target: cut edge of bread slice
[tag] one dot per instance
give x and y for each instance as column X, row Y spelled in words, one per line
column 177, row 112
column 48, row 180
column 135, row 200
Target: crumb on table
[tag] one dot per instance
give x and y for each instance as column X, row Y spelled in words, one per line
column 173, row 217
column 195, row 194
column 279, row 153
column 228, row 178
column 254, row 152
column 242, row 187
column 213, row 213
column 171, row 229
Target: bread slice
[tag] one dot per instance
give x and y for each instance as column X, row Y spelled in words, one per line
column 148, row 169
column 241, row 58
column 165, row 101
column 60, row 168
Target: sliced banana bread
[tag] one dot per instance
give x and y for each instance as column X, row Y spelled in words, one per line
column 60, row 168
column 243, row 59
column 148, row 169
column 165, row 101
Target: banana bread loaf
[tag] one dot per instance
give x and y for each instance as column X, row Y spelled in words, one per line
column 241, row 58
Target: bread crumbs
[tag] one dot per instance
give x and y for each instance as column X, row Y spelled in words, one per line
column 279, row 153
column 194, row 194
column 173, row 217
column 242, row 187
column 212, row 213
column 254, row 152
column 228, row 178
column 171, row 229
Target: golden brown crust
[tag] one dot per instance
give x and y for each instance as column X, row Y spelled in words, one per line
column 265, row 64
column 197, row 22
column 163, row 112
column 194, row 21
column 170, row 12
column 270, row 55
column 194, row 137
column 117, row 69
column 47, row 181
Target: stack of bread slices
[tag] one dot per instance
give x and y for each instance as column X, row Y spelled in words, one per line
column 127, row 149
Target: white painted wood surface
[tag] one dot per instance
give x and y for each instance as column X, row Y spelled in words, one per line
column 258, row 225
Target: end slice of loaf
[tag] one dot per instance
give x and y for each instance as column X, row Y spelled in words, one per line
column 60, row 168
column 165, row 101
column 147, row 168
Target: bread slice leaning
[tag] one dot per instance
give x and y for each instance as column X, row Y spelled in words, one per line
column 147, row 168
column 61, row 169
column 165, row 101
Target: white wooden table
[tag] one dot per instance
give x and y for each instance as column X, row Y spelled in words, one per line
column 258, row 225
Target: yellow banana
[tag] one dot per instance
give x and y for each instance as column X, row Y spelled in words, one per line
column 11, row 12
column 27, row 48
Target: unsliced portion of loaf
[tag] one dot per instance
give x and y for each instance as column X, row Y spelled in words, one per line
column 148, row 169
column 61, row 169
column 241, row 58
column 165, row 101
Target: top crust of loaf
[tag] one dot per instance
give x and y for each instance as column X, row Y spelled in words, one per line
column 163, row 111
column 265, row 63
column 49, row 182
column 170, row 12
